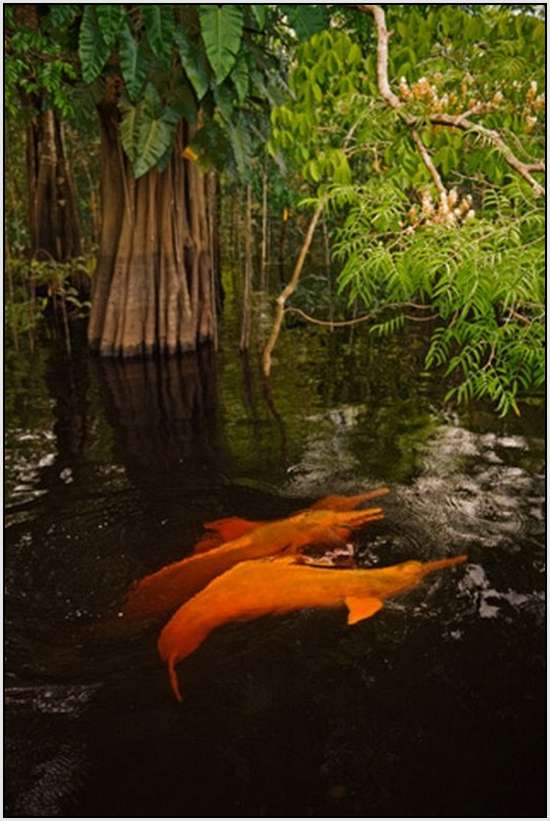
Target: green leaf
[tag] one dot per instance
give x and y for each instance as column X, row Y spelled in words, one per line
column 306, row 20
column 240, row 146
column 240, row 78
column 159, row 25
column 259, row 14
column 128, row 129
column 152, row 101
column 224, row 101
column 132, row 63
column 184, row 103
column 110, row 18
column 62, row 15
column 92, row 48
column 221, row 29
column 154, row 140
column 193, row 62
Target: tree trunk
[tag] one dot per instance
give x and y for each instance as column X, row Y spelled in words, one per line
column 247, row 290
column 53, row 212
column 154, row 288
column 263, row 263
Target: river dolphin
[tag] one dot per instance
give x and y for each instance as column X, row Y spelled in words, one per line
column 164, row 590
column 233, row 527
column 275, row 586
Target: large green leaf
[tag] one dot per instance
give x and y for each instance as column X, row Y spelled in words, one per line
column 240, row 146
column 92, row 48
column 183, row 102
column 306, row 20
column 159, row 25
column 129, row 128
column 193, row 62
column 259, row 14
column 223, row 96
column 240, row 78
column 221, row 29
column 152, row 101
column 132, row 63
column 110, row 17
column 154, row 139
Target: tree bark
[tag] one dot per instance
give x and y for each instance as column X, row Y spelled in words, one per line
column 155, row 285
column 53, row 212
column 247, row 289
column 263, row 263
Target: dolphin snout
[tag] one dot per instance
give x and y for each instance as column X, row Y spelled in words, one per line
column 440, row 564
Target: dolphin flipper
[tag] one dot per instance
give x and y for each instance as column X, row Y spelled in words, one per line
column 362, row 608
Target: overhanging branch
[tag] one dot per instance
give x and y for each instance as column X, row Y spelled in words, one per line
column 460, row 121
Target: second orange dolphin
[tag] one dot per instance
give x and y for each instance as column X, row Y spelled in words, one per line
column 254, row 589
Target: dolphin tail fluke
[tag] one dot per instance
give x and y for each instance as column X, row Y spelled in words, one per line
column 173, row 676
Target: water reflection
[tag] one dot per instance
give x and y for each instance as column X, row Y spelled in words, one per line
column 163, row 414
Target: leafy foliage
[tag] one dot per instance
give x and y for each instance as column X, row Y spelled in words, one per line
column 37, row 71
column 307, row 19
column 133, row 64
column 221, row 29
column 469, row 260
column 311, row 127
column 93, row 48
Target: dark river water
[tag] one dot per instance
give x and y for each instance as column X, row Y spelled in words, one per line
column 433, row 707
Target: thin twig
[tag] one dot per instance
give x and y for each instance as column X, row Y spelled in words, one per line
column 428, row 162
column 516, row 315
column 524, row 169
column 329, row 323
column 289, row 290
column 342, row 323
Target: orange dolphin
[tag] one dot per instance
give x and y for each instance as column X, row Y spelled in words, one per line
column 163, row 591
column 232, row 527
column 254, row 589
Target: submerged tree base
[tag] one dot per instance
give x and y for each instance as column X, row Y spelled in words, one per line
column 155, row 284
column 144, row 351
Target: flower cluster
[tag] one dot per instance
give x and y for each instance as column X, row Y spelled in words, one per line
column 449, row 210
column 534, row 103
column 427, row 92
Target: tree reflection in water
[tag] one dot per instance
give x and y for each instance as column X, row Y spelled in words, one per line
column 163, row 414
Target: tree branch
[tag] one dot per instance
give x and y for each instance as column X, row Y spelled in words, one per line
column 388, row 95
column 330, row 323
column 460, row 121
column 343, row 323
column 289, row 290
column 428, row 162
column 524, row 169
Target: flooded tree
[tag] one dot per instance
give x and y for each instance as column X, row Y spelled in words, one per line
column 179, row 89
